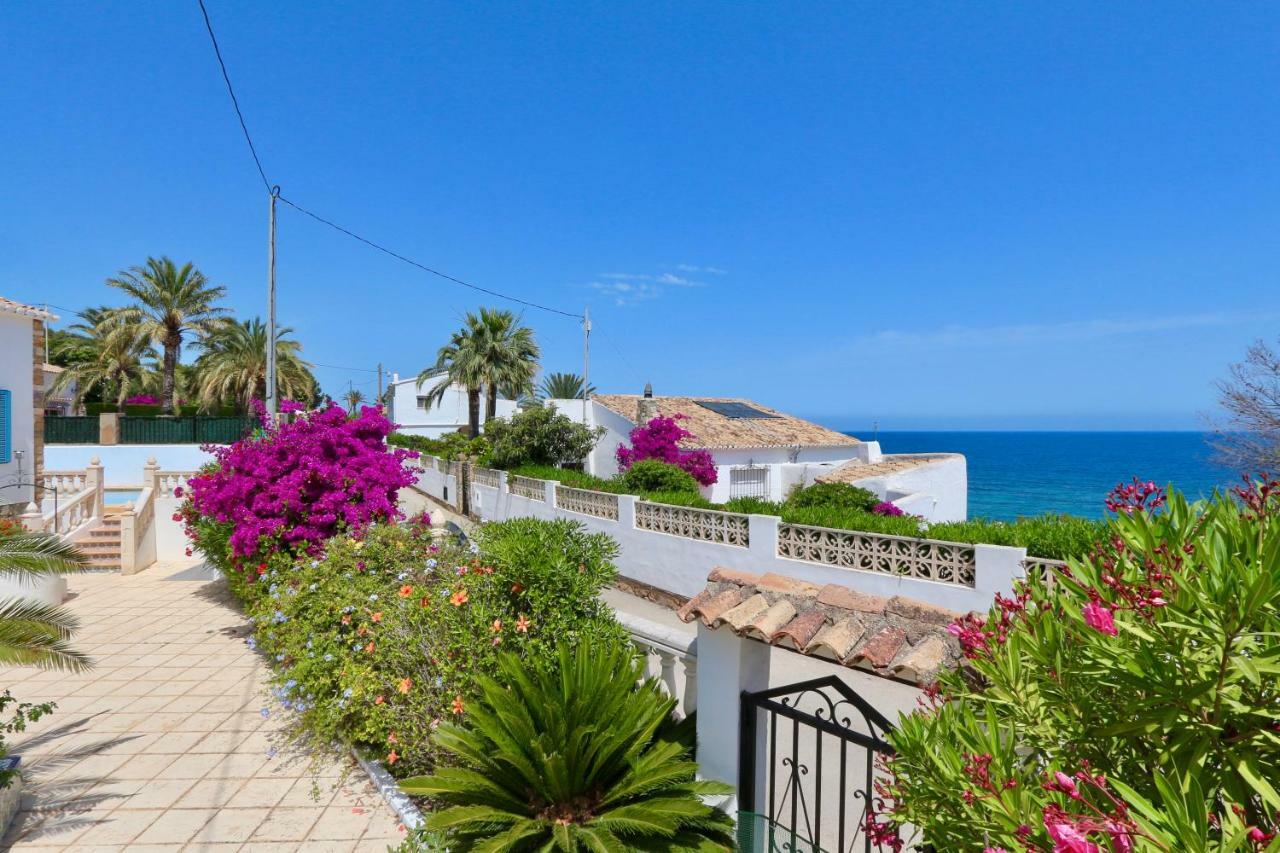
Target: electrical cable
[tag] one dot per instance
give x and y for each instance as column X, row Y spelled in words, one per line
column 234, row 101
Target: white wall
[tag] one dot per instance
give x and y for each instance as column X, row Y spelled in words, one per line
column 939, row 491
column 602, row 462
column 122, row 463
column 442, row 418
column 16, row 370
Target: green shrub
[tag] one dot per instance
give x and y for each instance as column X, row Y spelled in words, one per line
column 692, row 499
column 450, row 446
column 539, row 436
column 1128, row 705
column 576, row 758
column 650, row 475
column 574, row 479
column 841, row 518
column 835, row 495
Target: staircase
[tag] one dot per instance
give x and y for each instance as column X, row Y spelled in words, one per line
column 102, row 545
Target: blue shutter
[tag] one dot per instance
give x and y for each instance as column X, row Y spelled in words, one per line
column 6, row 426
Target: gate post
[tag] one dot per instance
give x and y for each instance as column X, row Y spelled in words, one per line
column 728, row 666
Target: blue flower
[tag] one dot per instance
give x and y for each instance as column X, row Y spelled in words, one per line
column 431, row 564
column 328, row 657
column 347, row 693
column 266, row 712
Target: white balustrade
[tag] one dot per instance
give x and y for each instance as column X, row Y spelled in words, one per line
column 670, row 656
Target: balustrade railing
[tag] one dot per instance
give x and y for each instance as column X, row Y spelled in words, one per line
column 527, row 487
column 706, row 525
column 670, row 656
column 587, row 502
column 66, row 482
column 927, row 559
column 166, row 482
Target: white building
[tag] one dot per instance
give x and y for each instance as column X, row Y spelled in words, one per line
column 21, row 402
column 413, row 411
column 762, row 452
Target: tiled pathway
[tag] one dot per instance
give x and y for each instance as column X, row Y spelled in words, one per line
column 164, row 744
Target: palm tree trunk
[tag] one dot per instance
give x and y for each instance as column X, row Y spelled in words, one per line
column 170, row 369
column 473, row 410
column 491, row 405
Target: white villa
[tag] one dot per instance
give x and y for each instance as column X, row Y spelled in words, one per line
column 21, row 401
column 761, row 452
column 412, row 409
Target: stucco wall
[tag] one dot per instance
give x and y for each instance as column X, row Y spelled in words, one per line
column 939, row 491
column 442, row 418
column 16, row 373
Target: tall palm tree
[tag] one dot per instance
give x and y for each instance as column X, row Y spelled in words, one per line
column 30, row 632
column 460, row 364
column 563, row 386
column 509, row 354
column 354, row 398
column 233, row 365
column 107, row 357
column 171, row 302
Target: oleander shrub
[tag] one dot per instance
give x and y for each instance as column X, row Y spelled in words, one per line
column 833, row 496
column 660, row 439
column 579, row 757
column 1130, row 704
column 539, row 436
column 650, row 475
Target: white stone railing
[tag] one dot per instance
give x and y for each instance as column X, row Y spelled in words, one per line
column 670, row 656
column 71, row 516
column 165, row 482
column 137, row 534
column 927, row 559
column 66, row 482
column 527, row 487
column 485, row 476
column 705, row 525
column 587, row 502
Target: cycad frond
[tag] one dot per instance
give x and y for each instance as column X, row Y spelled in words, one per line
column 40, row 554
column 37, row 634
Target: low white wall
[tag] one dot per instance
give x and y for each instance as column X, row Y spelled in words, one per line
column 944, row 482
column 122, row 463
column 680, row 565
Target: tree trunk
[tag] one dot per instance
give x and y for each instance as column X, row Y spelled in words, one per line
column 170, row 368
column 491, row 406
column 473, row 411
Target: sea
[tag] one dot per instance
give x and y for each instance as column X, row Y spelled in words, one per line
column 1014, row 474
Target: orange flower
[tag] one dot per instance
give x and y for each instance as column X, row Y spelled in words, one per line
column 517, row 588
column 377, row 617
column 405, row 684
column 369, row 648
column 458, row 707
column 459, row 598
column 426, row 601
column 496, row 626
column 406, row 591
column 378, row 700
column 391, row 738
column 346, row 620
column 392, row 758
column 522, row 624
column 497, row 641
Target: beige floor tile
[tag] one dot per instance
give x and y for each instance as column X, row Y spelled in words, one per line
column 144, row 766
column 339, row 823
column 191, row 766
column 158, row 794
column 287, row 824
column 258, row 793
column 231, row 825
column 121, row 827
column 175, row 826
column 211, row 793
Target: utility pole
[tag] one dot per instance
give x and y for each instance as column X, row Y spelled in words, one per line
column 586, row 360
column 379, row 400
column 272, row 402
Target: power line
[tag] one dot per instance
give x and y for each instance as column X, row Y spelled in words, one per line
column 423, row 267
column 340, row 367
column 232, row 92
column 276, row 191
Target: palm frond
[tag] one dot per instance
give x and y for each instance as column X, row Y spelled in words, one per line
column 40, row 554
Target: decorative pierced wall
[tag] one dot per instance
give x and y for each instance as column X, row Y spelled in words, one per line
column 599, row 504
column 726, row 528
column 928, row 559
column 484, row 476
column 527, row 487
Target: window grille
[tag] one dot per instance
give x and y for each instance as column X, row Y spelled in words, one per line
column 749, row 482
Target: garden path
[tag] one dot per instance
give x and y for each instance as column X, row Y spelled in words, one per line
column 170, row 742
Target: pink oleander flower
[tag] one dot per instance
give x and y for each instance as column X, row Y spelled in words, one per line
column 1099, row 618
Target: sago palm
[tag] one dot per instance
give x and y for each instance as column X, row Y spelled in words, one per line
column 32, row 633
column 563, row 386
column 171, row 301
column 233, row 366
column 577, row 757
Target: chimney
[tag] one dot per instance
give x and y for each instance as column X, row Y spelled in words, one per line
column 646, row 406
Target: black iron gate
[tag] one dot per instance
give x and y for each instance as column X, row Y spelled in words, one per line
column 807, row 765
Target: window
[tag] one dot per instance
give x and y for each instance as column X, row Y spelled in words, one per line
column 424, row 403
column 6, row 426
column 750, row 482
column 736, row 411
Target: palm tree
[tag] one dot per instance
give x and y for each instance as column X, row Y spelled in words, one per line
column 509, row 354
column 354, row 398
column 233, row 366
column 30, row 632
column 459, row 363
column 171, row 301
column 105, row 355
column 576, row 757
column 563, row 386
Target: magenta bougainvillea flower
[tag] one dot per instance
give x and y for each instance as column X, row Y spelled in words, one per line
column 142, row 400
column 660, row 439
column 294, row 486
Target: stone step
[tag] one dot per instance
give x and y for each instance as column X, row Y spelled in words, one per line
column 99, row 546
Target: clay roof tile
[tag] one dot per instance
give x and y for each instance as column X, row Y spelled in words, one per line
column 767, row 623
column 741, row 616
column 797, row 633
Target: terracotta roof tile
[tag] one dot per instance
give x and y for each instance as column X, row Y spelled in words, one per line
column 8, row 306
column 717, row 431
column 856, row 470
column 895, row 637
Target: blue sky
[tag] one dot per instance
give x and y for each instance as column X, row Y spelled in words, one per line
column 927, row 215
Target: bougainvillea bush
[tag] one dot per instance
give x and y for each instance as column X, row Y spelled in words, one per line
column 1129, row 703
column 293, row 487
column 660, row 439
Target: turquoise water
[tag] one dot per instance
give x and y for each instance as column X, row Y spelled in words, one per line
column 1029, row 473
column 112, row 497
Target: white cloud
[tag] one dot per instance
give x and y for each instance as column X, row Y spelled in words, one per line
column 626, row 293
column 696, row 269
column 628, row 288
column 1038, row 333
